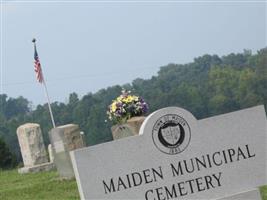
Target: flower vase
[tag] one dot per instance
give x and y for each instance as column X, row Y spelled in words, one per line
column 130, row 128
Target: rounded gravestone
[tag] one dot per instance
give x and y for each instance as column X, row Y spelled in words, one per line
column 31, row 144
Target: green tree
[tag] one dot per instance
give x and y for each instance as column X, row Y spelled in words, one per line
column 207, row 86
column 7, row 159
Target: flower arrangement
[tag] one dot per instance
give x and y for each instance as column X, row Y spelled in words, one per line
column 126, row 106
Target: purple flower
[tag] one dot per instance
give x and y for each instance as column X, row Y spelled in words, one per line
column 127, row 106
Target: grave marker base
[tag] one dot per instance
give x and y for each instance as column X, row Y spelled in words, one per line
column 37, row 168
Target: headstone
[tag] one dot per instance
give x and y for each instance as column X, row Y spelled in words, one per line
column 63, row 140
column 130, row 128
column 136, row 123
column 121, row 131
column 178, row 157
column 32, row 149
column 50, row 152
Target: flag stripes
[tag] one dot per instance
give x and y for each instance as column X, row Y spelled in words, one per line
column 37, row 66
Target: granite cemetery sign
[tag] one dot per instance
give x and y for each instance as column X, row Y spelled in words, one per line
column 178, row 157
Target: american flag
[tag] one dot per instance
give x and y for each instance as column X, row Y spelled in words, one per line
column 37, row 66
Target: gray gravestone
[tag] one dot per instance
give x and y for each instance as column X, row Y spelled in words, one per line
column 63, row 140
column 178, row 157
column 32, row 149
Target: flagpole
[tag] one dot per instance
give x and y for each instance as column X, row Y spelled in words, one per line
column 49, row 106
column 45, row 89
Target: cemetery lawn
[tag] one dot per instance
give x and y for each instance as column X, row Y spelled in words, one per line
column 43, row 185
column 264, row 192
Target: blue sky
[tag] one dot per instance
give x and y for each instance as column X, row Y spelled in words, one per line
column 86, row 46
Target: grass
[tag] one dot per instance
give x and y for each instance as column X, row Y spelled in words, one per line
column 44, row 186
column 264, row 192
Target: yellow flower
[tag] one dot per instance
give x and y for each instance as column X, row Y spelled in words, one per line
column 120, row 98
column 113, row 106
column 129, row 99
column 135, row 98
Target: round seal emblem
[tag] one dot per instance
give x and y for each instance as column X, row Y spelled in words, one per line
column 171, row 134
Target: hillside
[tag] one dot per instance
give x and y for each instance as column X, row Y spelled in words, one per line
column 208, row 86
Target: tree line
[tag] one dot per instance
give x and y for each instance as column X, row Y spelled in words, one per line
column 210, row 85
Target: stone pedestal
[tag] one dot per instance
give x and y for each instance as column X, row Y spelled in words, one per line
column 37, row 168
column 63, row 140
column 130, row 128
column 32, row 148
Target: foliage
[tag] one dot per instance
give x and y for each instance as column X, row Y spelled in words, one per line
column 126, row 106
column 7, row 159
column 210, row 85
